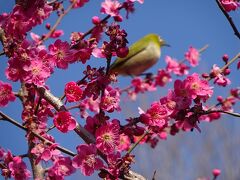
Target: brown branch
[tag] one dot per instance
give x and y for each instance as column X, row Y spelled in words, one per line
column 15, row 123
column 222, row 111
column 236, row 32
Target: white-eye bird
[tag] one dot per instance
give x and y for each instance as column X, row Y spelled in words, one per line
column 142, row 55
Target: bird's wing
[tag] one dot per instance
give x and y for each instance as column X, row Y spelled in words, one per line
column 136, row 48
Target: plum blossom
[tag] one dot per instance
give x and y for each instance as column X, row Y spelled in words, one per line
column 37, row 73
column 86, row 159
column 140, row 1
column 176, row 67
column 124, row 143
column 230, row 5
column 193, row 87
column 162, row 78
column 6, row 94
column 44, row 152
column 107, row 137
column 64, row 121
column 156, row 115
column 61, row 167
column 219, row 77
column 192, row 56
column 61, row 53
column 79, row 3
column 19, row 169
column 111, row 7
column 111, row 99
column 73, row 92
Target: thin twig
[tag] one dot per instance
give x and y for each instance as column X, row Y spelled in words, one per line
column 58, row 21
column 222, row 111
column 15, row 123
column 236, row 32
column 136, row 143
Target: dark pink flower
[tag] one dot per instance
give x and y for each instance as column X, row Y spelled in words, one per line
column 19, row 169
column 193, row 87
column 176, row 67
column 111, row 99
column 86, row 159
column 37, row 73
column 192, row 56
column 64, row 121
column 110, row 7
column 44, row 152
column 230, row 5
column 107, row 137
column 61, row 53
column 79, row 3
column 140, row 86
column 216, row 172
column 62, row 167
column 124, row 143
column 6, row 94
column 219, row 77
column 73, row 92
column 162, row 78
column 156, row 115
column 140, row 1
column 57, row 33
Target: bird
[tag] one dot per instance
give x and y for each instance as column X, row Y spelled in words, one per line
column 142, row 55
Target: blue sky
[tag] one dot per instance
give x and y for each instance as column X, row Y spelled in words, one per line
column 192, row 23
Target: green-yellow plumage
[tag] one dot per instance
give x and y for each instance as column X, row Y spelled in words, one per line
column 142, row 55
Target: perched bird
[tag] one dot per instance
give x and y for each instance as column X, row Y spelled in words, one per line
column 142, row 55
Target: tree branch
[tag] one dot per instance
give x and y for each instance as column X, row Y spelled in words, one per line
column 236, row 32
column 15, row 123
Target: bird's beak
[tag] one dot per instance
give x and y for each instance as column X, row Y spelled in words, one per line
column 165, row 44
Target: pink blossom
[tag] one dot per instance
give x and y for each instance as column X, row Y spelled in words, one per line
column 193, row 87
column 6, row 94
column 140, row 1
column 64, row 121
column 37, row 73
column 163, row 135
column 230, row 5
column 25, row 16
column 44, row 152
column 124, row 143
column 107, row 137
column 86, row 159
column 219, row 78
column 198, row 87
column 110, row 7
column 19, row 169
column 89, row 104
column 156, row 115
column 79, row 3
column 36, row 38
column 176, row 67
column 73, row 92
column 216, row 172
column 192, row 55
column 62, row 167
column 111, row 99
column 57, row 33
column 92, row 123
column 98, row 53
column 162, row 78
column 61, row 53
column 140, row 86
